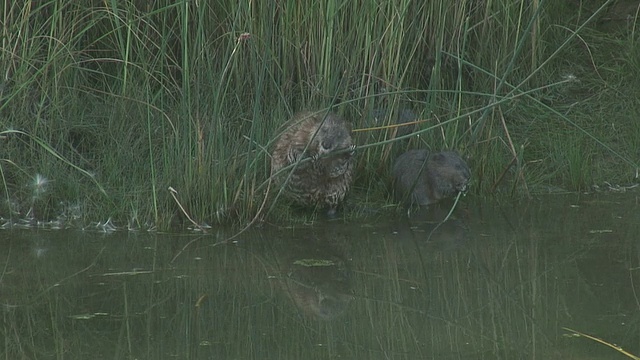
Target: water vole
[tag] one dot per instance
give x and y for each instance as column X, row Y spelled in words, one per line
column 424, row 178
column 325, row 179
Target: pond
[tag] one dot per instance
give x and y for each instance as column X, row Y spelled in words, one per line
column 499, row 280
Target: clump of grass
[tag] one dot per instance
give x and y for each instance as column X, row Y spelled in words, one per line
column 188, row 95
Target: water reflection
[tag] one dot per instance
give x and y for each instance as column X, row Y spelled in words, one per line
column 315, row 274
column 498, row 281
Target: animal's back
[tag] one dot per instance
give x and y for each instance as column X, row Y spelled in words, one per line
column 424, row 178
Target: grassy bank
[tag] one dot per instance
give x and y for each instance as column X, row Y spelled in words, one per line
column 105, row 105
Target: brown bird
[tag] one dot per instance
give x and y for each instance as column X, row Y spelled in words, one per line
column 324, row 180
column 424, row 178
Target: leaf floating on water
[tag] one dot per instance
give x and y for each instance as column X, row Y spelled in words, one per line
column 86, row 316
column 603, row 342
column 82, row 316
column 314, row 262
column 200, row 300
column 606, row 231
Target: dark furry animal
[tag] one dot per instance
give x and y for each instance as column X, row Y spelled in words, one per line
column 423, row 178
column 324, row 180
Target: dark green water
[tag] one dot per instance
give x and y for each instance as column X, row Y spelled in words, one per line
column 500, row 281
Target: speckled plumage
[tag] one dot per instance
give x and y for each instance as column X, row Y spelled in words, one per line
column 325, row 179
column 424, row 178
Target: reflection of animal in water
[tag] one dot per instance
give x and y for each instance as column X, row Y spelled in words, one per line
column 434, row 229
column 320, row 287
column 314, row 272
column 424, row 178
column 325, row 179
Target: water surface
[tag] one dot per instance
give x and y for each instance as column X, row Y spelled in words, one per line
column 498, row 281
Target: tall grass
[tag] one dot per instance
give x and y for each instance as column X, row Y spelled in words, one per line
column 143, row 96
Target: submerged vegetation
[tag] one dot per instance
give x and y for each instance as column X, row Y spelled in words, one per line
column 106, row 105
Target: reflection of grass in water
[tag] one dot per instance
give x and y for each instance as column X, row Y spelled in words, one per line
column 603, row 342
column 500, row 295
column 505, row 292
